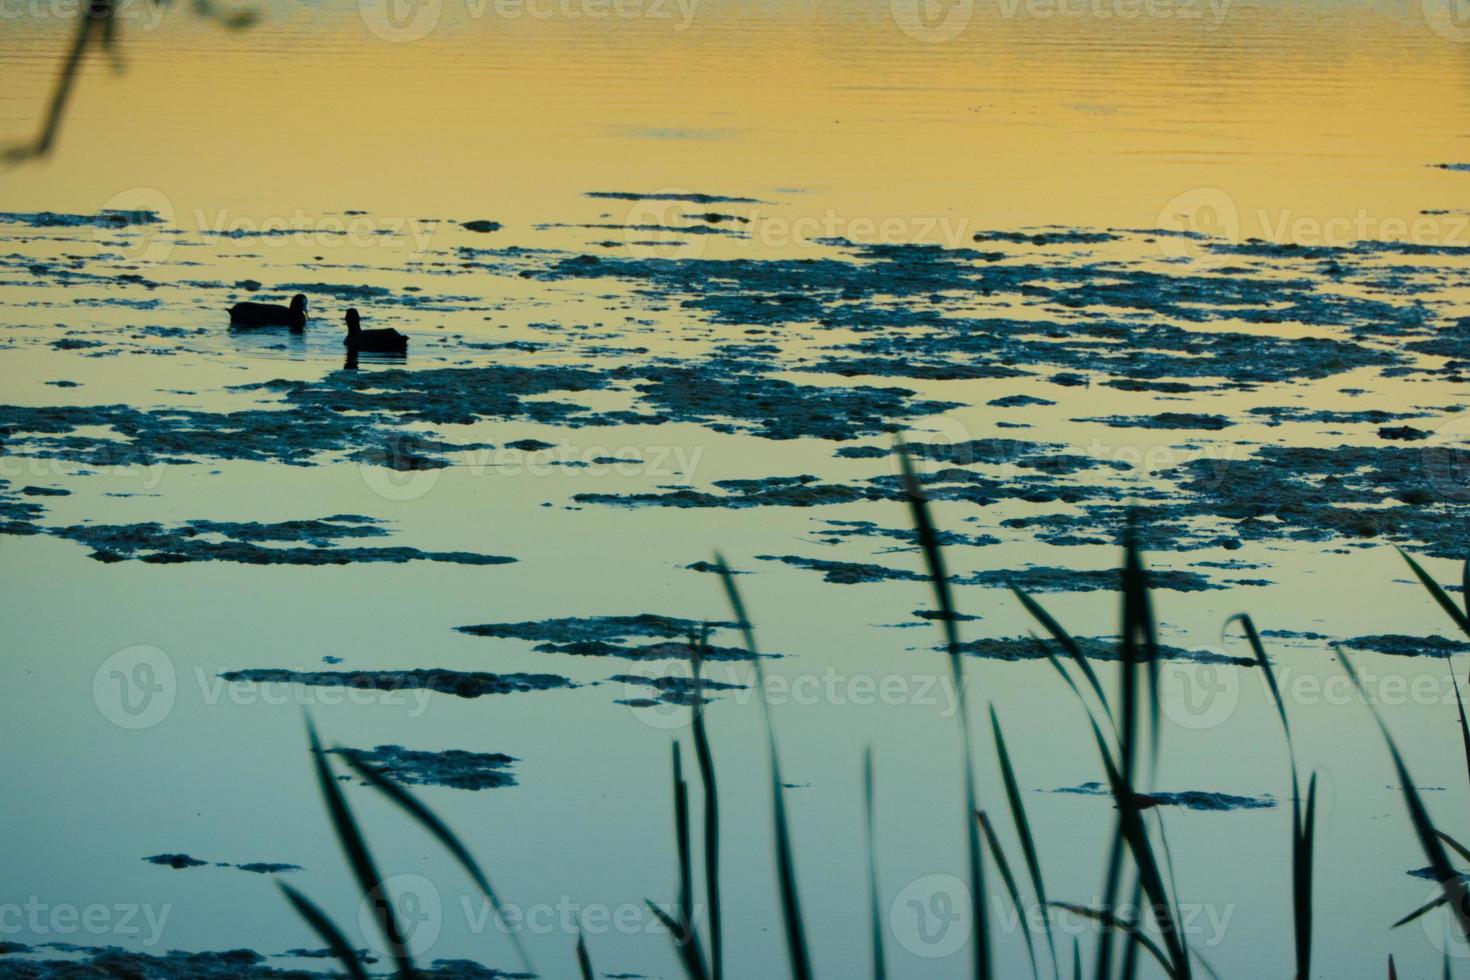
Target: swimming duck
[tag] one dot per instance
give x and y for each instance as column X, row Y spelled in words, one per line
column 385, row 341
column 270, row 314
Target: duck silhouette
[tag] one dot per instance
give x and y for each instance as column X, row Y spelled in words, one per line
column 384, row 341
column 270, row 314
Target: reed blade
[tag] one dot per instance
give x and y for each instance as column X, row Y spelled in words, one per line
column 693, row 968
column 928, row 537
column 1449, row 605
column 1067, row 643
column 1023, row 832
column 584, row 961
column 875, row 915
column 327, row 930
column 441, row 832
column 706, row 761
column 798, row 955
column 1452, row 884
column 359, row 858
column 1009, row 880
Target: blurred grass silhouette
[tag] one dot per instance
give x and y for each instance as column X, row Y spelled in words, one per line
column 1139, row 864
column 97, row 29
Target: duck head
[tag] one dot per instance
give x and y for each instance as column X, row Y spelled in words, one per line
column 353, row 321
column 298, row 311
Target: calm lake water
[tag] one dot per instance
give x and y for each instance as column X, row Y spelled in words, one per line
column 794, row 209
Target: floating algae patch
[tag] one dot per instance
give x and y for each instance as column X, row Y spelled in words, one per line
column 234, row 964
column 772, row 491
column 344, row 411
column 1163, row 420
column 1121, row 317
column 773, row 408
column 685, row 197
column 176, row 861
column 454, row 768
column 606, row 636
column 673, row 689
column 837, row 531
column 848, row 572
column 1306, row 493
column 1277, row 414
column 106, row 218
column 1399, row 645
column 254, row 543
column 1044, row 578
column 1094, row 648
column 1192, row 799
column 465, row 684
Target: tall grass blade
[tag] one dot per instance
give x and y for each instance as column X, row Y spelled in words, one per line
column 1427, row 907
column 688, row 955
column 584, row 962
column 431, row 822
column 327, row 930
column 1067, row 643
column 1449, row 605
column 928, row 537
column 875, row 915
column 1439, row 862
column 1459, row 848
column 1009, row 880
column 1112, row 922
column 1464, row 727
column 1023, row 831
column 706, row 760
column 684, row 908
column 1135, row 836
column 685, row 938
column 796, row 947
column 1302, row 824
column 355, row 848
